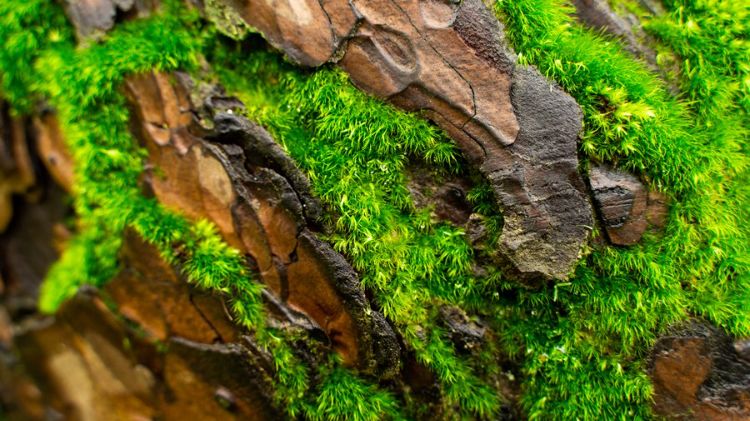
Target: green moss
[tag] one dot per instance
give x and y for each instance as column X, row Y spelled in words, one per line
column 83, row 85
column 581, row 344
column 26, row 29
column 343, row 396
column 711, row 38
column 584, row 341
column 354, row 150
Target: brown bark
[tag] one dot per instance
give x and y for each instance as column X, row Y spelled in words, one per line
column 90, row 366
column 699, row 374
column 449, row 60
column 50, row 146
column 262, row 206
column 627, row 208
column 17, row 174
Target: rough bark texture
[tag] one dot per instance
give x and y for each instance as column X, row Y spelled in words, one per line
column 449, row 60
column 50, row 146
column 625, row 206
column 169, row 351
column 153, row 294
column 151, row 345
column 699, row 375
column 89, row 364
column 93, row 18
column 17, row 174
column 231, row 172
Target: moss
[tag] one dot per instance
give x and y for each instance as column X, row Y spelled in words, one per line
column 83, row 85
column 226, row 20
column 343, row 396
column 354, row 150
column 27, row 28
column 581, row 344
column 584, row 341
column 711, row 38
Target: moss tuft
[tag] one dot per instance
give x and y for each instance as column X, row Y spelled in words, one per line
column 581, row 344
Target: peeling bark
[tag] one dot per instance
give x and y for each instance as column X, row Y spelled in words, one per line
column 91, row 366
column 625, row 206
column 232, row 173
column 449, row 60
column 153, row 294
column 699, row 375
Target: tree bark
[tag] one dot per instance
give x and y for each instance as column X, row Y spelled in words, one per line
column 151, row 345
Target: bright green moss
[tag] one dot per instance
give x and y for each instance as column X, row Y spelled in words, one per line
column 581, row 344
column 712, row 40
column 344, row 396
column 584, row 341
column 354, row 150
column 26, row 29
column 83, row 85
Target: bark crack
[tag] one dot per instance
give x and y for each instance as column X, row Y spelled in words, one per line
column 447, row 63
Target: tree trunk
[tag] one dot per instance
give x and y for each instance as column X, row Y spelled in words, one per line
column 170, row 336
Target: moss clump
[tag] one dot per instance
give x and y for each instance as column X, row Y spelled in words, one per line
column 83, row 85
column 581, row 344
column 584, row 341
column 27, row 28
column 354, row 150
column 712, row 41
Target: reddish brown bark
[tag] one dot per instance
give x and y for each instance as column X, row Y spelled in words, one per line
column 262, row 207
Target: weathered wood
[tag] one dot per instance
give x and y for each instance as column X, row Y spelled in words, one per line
column 169, row 350
column 449, row 60
column 153, row 294
column 52, row 151
column 625, row 206
column 90, row 366
column 232, row 173
column 698, row 374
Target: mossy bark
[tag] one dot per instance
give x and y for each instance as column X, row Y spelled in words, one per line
column 371, row 210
